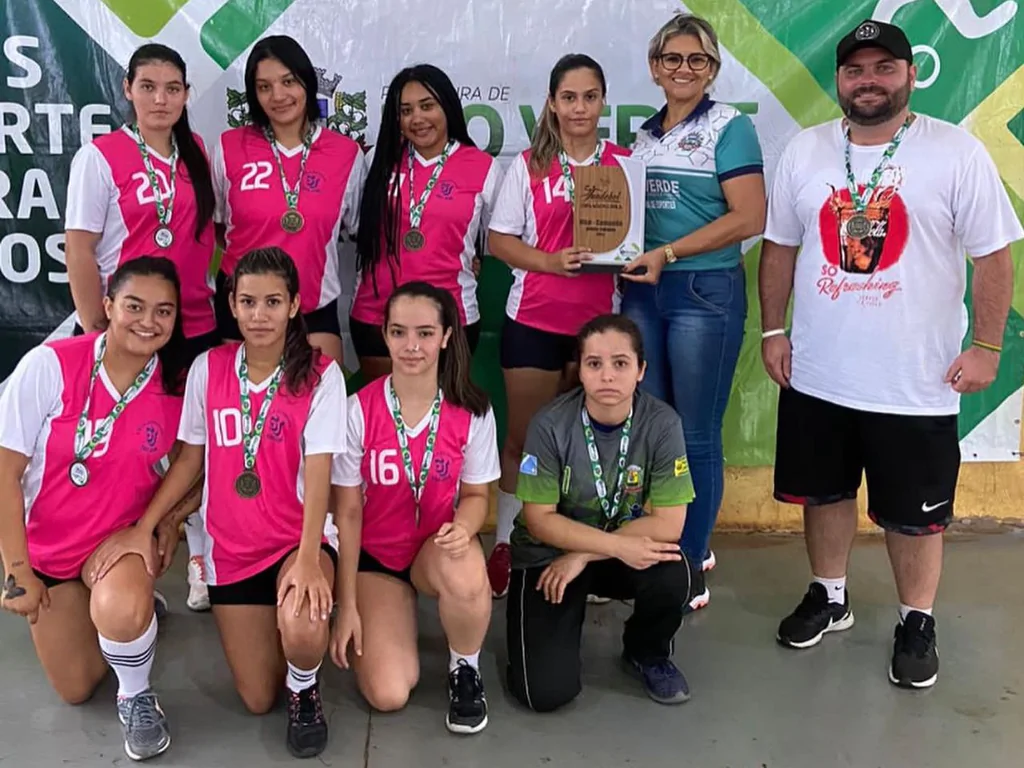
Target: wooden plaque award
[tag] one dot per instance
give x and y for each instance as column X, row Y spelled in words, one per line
column 608, row 213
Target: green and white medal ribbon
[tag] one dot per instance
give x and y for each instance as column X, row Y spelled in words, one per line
column 248, row 484
column 609, row 509
column 858, row 226
column 563, row 160
column 414, row 239
column 416, row 484
column 292, row 220
column 163, row 236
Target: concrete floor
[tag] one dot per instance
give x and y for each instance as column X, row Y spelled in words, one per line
column 755, row 705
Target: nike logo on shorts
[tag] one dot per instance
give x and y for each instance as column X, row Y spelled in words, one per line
column 926, row 507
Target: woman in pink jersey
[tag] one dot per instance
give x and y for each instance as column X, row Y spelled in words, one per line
column 87, row 425
column 428, row 196
column 532, row 231
column 411, row 502
column 287, row 181
column 266, row 417
column 146, row 188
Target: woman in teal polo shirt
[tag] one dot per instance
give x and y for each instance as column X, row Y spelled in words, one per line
column 705, row 195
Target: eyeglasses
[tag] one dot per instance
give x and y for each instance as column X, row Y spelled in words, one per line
column 672, row 61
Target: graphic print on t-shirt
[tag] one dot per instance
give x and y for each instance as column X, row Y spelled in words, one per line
column 849, row 258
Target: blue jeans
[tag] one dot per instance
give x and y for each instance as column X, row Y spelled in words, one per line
column 692, row 326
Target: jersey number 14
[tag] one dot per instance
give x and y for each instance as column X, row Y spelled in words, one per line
column 558, row 189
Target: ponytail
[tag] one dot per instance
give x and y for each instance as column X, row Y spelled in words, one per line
column 455, row 360
column 547, row 137
column 299, row 357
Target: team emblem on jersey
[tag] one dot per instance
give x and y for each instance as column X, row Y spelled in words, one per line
column 150, row 435
column 528, row 466
column 445, row 189
column 692, row 141
column 442, row 467
column 343, row 112
column 682, row 466
column 276, row 425
column 634, row 479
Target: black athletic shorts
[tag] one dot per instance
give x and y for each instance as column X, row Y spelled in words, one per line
column 911, row 462
column 52, row 581
column 526, row 347
column 370, row 564
column 194, row 347
column 323, row 320
column 259, row 589
column 368, row 339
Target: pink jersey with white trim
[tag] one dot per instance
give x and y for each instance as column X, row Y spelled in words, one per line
column 390, row 532
column 247, row 536
column 551, row 302
column 253, row 202
column 132, row 236
column 451, row 221
column 66, row 524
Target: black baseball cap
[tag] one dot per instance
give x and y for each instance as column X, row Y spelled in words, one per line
column 875, row 34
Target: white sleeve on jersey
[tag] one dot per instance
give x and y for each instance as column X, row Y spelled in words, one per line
column 32, row 394
column 492, row 184
column 219, row 176
column 192, row 429
column 353, row 196
column 346, row 470
column 509, row 214
column 326, row 425
column 483, row 462
column 90, row 187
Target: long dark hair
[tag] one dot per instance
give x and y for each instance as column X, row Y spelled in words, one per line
column 379, row 214
column 547, row 141
column 189, row 151
column 619, row 323
column 299, row 371
column 292, row 55
column 173, row 356
column 453, row 364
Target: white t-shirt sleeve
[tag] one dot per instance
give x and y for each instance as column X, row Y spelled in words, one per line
column 483, row 462
column 983, row 217
column 192, row 428
column 784, row 225
column 220, row 180
column 346, row 469
column 325, row 428
column 353, row 196
column 509, row 214
column 31, row 395
column 492, row 185
column 89, row 186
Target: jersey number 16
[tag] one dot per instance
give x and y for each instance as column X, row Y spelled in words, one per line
column 383, row 469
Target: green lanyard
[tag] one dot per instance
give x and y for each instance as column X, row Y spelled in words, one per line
column 595, row 464
column 563, row 160
column 163, row 237
column 858, row 226
column 414, row 239
column 403, row 443
column 79, row 473
column 292, row 220
column 252, row 434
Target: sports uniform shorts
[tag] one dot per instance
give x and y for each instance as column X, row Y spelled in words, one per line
column 911, row 462
column 323, row 320
column 368, row 339
column 525, row 347
column 260, row 588
column 370, row 564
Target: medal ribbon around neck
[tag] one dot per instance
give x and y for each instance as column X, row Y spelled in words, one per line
column 417, row 485
column 163, row 211
column 252, row 434
column 291, row 194
column 860, row 202
column 609, row 509
column 563, row 160
column 83, row 447
column 416, row 208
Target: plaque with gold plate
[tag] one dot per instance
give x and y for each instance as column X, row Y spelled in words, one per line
column 608, row 213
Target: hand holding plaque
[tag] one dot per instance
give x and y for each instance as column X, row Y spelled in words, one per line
column 608, row 213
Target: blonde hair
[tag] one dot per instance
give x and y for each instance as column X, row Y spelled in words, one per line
column 547, row 141
column 695, row 26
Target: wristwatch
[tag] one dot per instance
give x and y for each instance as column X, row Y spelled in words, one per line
column 670, row 255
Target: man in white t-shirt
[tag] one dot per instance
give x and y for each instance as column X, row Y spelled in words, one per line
column 872, row 373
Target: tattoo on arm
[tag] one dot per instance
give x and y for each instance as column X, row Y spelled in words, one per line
column 11, row 588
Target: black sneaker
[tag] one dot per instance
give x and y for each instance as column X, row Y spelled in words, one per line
column 813, row 618
column 307, row 726
column 467, row 704
column 915, row 659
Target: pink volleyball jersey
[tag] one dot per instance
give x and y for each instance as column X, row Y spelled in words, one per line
column 247, row 536
column 539, row 210
column 39, row 412
column 109, row 192
column 463, row 197
column 251, row 202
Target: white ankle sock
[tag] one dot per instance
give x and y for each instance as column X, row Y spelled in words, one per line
column 836, row 589
column 299, row 680
column 508, row 508
column 132, row 661
column 195, row 535
column 906, row 609
column 454, row 656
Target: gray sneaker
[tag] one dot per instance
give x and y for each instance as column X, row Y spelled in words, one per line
column 144, row 724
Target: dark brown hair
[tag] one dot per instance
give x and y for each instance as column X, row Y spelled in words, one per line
column 603, row 323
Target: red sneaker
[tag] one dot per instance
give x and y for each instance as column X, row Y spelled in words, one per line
column 499, row 569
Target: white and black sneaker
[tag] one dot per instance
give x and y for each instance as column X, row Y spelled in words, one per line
column 915, row 658
column 467, row 704
column 814, row 618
